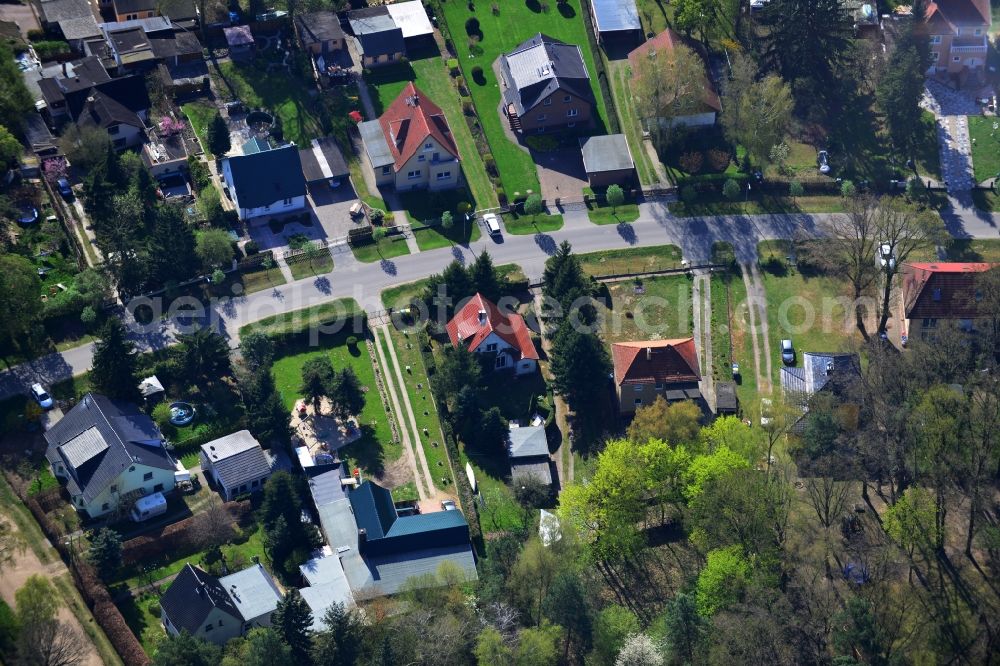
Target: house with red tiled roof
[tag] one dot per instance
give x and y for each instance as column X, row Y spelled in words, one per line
column 660, row 46
column 939, row 291
column 959, row 33
column 411, row 146
column 482, row 328
column 647, row 369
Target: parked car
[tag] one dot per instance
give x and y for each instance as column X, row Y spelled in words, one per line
column 64, row 189
column 41, row 396
column 492, row 224
column 449, row 505
column 886, row 259
column 787, row 352
column 824, row 161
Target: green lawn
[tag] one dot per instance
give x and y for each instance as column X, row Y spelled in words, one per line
column 638, row 260
column 986, row 200
column 301, row 320
column 260, row 280
column 601, row 213
column 927, row 153
column 515, row 23
column 200, row 114
column 985, row 147
column 387, row 248
column 652, row 308
column 376, row 448
column 629, row 120
column 759, row 206
column 425, row 208
column 729, row 307
column 305, row 268
column 525, row 225
column 431, row 76
column 142, row 620
column 966, row 249
column 518, row 398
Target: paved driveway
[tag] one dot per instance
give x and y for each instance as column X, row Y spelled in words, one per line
column 331, row 218
column 950, row 109
column 561, row 173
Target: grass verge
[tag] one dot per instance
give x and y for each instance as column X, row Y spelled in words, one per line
column 306, row 268
column 387, row 248
column 985, row 147
column 300, row 320
column 525, row 225
column 638, row 260
column 759, row 206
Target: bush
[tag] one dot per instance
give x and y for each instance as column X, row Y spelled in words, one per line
column 36, row 35
column 377, row 215
column 124, row 641
column 474, row 47
column 795, row 189
column 200, row 175
column 453, row 67
column 47, row 50
column 88, row 316
column 847, row 189
column 467, row 107
column 472, row 27
column 692, row 161
column 352, row 342
column 491, row 165
column 251, row 248
column 543, row 143
column 688, row 194
column 731, row 190
column 718, row 159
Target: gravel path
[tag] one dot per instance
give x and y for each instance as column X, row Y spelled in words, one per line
column 702, row 300
column 757, row 307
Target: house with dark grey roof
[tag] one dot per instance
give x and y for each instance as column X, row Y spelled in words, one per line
column 381, row 40
column 108, row 454
column 266, row 182
column 236, row 464
column 78, row 76
column 528, row 453
column 73, row 18
column 320, row 32
column 820, row 372
column 323, row 165
column 616, row 22
column 545, row 86
column 379, row 550
column 607, row 160
column 218, row 609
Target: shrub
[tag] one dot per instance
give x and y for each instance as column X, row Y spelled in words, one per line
column 472, row 27
column 453, row 67
column 795, row 189
column 718, row 159
column 88, row 316
column 847, row 189
column 352, row 342
column 688, row 194
column 491, row 165
column 477, row 76
column 474, row 47
column 377, row 215
column 36, row 35
column 467, row 107
column 47, row 50
column 495, row 8
column 501, row 195
column 692, row 161
column 251, row 248
column 543, row 143
column 731, row 190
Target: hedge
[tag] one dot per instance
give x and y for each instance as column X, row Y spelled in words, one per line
column 180, row 537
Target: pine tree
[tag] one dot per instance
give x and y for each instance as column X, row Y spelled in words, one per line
column 580, row 364
column 106, row 552
column 348, row 396
column 318, row 380
column 484, row 278
column 114, row 372
column 171, row 247
column 218, row 135
column 292, row 620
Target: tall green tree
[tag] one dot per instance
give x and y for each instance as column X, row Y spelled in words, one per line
column 491, row 649
column 257, row 350
column 899, row 92
column 10, row 149
column 218, row 135
column 214, row 248
column 115, row 368
column 667, row 84
column 15, row 99
column 566, row 288
column 808, row 41
column 318, row 380
column 674, row 423
column 580, row 366
column 485, row 279
column 684, row 628
column 340, row 642
column 758, row 111
column 612, row 626
column 348, row 396
column 172, row 254
column 723, row 580
column 292, row 620
column 105, row 552
column 20, row 290
column 203, row 354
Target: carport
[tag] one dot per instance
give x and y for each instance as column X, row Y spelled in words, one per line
column 323, row 164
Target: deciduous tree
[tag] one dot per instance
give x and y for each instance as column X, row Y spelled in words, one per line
column 318, row 380
column 20, row 290
column 757, row 112
column 722, row 582
column 675, row 423
column 43, row 640
column 214, row 248
column 667, row 84
column 615, row 196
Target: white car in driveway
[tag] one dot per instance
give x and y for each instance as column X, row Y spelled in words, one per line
column 492, row 222
column 823, row 158
column 41, row 396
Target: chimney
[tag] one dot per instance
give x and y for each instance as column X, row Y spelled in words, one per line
column 649, row 353
column 65, row 73
column 362, row 536
column 482, row 317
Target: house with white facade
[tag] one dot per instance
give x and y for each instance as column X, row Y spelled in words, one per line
column 109, row 454
column 482, row 328
column 411, row 146
column 266, row 181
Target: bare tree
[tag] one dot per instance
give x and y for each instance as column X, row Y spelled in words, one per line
column 50, row 643
column 11, row 543
column 981, row 449
column 668, row 83
column 828, row 498
column 851, row 251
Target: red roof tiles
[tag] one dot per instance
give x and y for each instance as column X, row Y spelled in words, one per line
column 409, row 121
column 655, row 361
column 944, row 16
column 479, row 318
column 941, row 290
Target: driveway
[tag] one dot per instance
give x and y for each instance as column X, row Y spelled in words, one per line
column 561, row 173
column 331, row 218
column 950, row 109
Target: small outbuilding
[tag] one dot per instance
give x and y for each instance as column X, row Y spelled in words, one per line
column 380, row 38
column 616, row 22
column 726, row 403
column 411, row 18
column 240, row 42
column 607, row 160
column 528, row 452
column 151, row 389
column 323, row 163
column 236, row 463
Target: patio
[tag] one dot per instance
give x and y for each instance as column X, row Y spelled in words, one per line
column 321, row 433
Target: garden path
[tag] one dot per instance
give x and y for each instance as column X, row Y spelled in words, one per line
column 702, row 301
column 757, row 316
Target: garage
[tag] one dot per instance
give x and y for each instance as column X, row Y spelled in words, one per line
column 323, row 165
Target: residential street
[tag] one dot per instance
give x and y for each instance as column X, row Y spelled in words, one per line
column 365, row 282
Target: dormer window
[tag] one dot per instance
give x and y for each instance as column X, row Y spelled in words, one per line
column 548, row 101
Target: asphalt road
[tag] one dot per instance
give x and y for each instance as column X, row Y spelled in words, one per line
column 365, row 282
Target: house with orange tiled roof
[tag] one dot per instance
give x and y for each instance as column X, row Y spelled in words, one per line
column 648, row 369
column 411, row 146
column 934, row 292
column 482, row 328
column 959, row 35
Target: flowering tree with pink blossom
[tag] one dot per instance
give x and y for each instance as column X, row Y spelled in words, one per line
column 54, row 169
column 170, row 126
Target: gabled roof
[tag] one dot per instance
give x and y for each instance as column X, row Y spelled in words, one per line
column 74, row 17
column 666, row 41
column 942, row 290
column 128, row 91
column 946, row 16
column 192, row 596
column 411, row 18
column 409, row 121
column 80, row 75
column 655, row 361
column 527, row 441
column 238, row 35
column 265, row 177
column 237, row 458
column 99, row 439
column 540, row 66
column 820, row 371
column 387, row 533
column 318, row 27
column 615, row 15
column 479, row 317
column 100, row 110
column 252, row 591
column 377, row 31
column 605, row 153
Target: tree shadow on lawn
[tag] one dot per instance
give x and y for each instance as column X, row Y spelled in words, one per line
column 566, row 10
column 366, row 451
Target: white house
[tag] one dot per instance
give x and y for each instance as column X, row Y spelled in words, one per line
column 266, row 182
column 109, row 454
column 483, row 329
column 236, row 464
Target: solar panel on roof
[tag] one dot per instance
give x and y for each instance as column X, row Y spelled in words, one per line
column 85, row 446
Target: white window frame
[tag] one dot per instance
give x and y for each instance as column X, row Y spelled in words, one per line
column 386, row 170
column 572, row 113
column 444, row 175
column 413, row 175
column 491, row 347
column 956, row 58
column 935, row 39
column 567, row 99
column 421, row 158
column 547, row 102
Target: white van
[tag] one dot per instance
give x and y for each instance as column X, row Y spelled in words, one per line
column 148, row 507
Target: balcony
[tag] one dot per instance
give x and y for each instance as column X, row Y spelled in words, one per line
column 969, row 45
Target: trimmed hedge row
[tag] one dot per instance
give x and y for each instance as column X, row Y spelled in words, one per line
column 182, row 536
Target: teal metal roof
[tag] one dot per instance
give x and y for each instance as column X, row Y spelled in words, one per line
column 386, row 532
column 258, row 144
